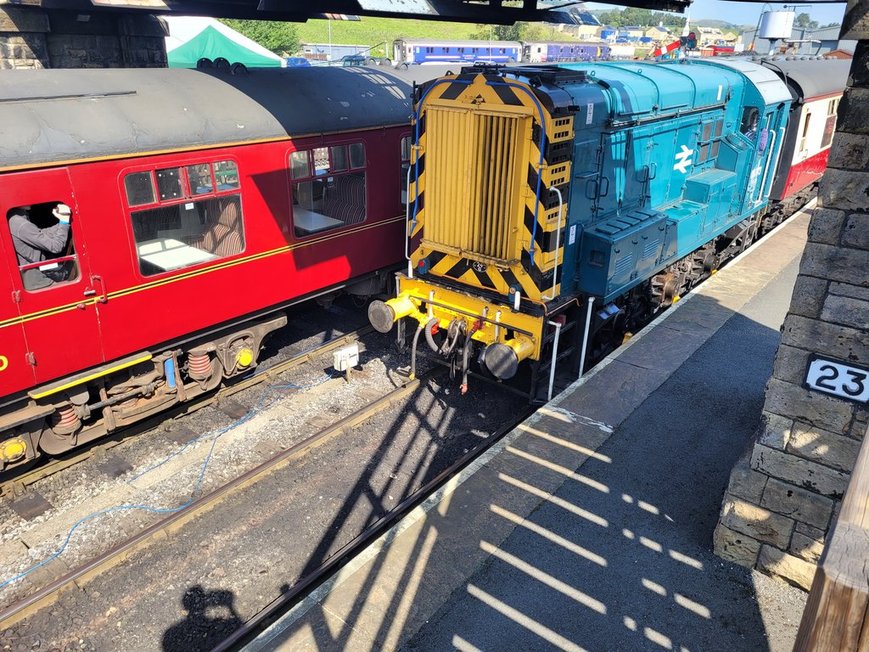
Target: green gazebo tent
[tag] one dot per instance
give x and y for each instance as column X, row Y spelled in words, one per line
column 192, row 38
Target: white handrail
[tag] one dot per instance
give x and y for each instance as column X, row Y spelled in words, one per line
column 557, row 240
column 407, row 223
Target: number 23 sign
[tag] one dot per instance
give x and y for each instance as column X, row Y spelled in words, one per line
column 837, row 378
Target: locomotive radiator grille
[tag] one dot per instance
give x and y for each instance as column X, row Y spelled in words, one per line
column 473, row 182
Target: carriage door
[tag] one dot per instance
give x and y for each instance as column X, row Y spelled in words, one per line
column 56, row 296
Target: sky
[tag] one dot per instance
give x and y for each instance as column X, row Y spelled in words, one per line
column 747, row 13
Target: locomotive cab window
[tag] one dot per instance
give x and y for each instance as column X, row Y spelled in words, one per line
column 193, row 217
column 328, row 188
column 43, row 244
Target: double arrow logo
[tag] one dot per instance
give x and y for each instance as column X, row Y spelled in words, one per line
column 683, row 159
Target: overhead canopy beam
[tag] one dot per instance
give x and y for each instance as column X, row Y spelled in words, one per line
column 502, row 12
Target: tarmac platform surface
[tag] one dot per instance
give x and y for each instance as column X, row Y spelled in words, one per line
column 590, row 525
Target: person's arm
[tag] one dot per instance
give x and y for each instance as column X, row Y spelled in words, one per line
column 51, row 239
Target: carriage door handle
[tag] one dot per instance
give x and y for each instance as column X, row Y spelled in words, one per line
column 89, row 292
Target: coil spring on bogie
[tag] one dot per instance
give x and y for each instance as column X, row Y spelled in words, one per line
column 198, row 365
column 65, row 420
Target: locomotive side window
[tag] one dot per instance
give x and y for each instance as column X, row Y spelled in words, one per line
column 710, row 141
column 748, row 126
column 328, row 187
column 196, row 218
column 43, row 244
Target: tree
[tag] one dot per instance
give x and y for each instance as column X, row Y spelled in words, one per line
column 272, row 35
column 804, row 21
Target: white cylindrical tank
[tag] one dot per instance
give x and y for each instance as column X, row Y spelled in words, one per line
column 776, row 24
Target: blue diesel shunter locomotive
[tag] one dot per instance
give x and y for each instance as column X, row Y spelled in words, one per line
column 553, row 207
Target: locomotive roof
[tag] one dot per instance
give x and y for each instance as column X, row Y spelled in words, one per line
column 641, row 88
column 70, row 115
column 812, row 77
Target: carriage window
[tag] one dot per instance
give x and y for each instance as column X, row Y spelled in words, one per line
column 181, row 235
column 357, row 155
column 333, row 194
column 140, row 188
column 193, row 220
column 804, row 137
column 405, row 168
column 199, row 177
column 226, row 175
column 300, row 166
column 43, row 246
column 830, row 124
column 169, row 184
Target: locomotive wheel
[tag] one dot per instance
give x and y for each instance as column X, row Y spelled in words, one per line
column 663, row 289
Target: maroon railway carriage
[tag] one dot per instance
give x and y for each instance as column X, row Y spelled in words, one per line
column 201, row 204
column 816, row 86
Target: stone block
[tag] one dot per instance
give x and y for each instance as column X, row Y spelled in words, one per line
column 855, row 22
column 755, row 521
column 844, row 189
column 840, row 342
column 848, row 290
column 856, row 231
column 828, row 448
column 835, row 263
column 23, row 19
column 810, row 531
column 788, row 567
column 808, row 296
column 790, row 365
column 799, row 471
column 735, row 546
column 846, row 311
column 745, row 482
column 775, row 430
column 826, row 225
column 849, row 151
column 858, row 429
column 796, row 503
column 821, row 410
column 143, row 25
column 860, row 66
column 806, row 547
column 854, row 112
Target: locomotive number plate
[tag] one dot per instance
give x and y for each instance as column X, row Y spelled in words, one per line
column 837, row 378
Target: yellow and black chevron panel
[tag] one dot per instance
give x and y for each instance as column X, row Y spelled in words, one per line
column 477, row 174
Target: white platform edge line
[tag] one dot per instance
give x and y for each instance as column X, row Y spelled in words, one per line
column 419, row 512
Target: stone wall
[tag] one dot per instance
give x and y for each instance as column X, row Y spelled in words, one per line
column 32, row 37
column 786, row 490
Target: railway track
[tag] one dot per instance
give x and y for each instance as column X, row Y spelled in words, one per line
column 17, row 484
column 173, row 522
column 283, row 603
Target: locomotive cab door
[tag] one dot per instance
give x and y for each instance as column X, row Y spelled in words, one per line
column 56, row 295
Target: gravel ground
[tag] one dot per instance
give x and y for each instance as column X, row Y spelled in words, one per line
column 163, row 465
column 189, row 592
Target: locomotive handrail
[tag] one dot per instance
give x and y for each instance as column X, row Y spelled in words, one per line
column 407, row 221
column 557, row 241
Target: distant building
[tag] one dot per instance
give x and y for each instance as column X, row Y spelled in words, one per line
column 658, row 33
column 608, row 33
column 802, row 41
column 632, row 32
column 585, row 31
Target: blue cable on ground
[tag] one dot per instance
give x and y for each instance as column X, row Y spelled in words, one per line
column 265, row 401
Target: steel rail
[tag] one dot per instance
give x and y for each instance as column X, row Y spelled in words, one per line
column 343, row 555
column 170, row 524
column 16, row 484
